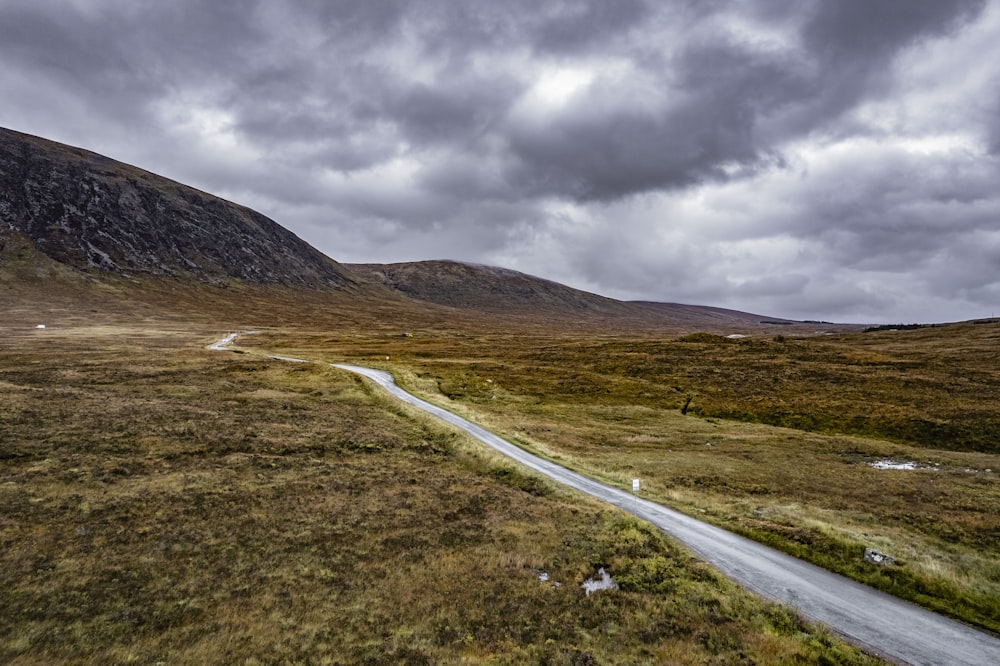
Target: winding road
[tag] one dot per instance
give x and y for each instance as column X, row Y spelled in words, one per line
column 882, row 624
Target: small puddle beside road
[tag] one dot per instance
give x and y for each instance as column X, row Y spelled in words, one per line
column 893, row 464
column 602, row 581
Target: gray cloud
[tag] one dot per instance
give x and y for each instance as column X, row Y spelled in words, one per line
column 816, row 159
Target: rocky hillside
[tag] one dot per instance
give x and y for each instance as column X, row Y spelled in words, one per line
column 92, row 213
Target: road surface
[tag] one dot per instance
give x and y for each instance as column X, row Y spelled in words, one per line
column 887, row 626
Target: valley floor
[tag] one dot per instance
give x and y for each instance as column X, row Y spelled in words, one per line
column 161, row 502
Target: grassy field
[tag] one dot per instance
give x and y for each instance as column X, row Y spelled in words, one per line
column 162, row 503
column 665, row 410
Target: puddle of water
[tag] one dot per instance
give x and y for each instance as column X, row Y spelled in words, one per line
column 223, row 344
column 602, row 581
column 895, row 464
column 892, row 464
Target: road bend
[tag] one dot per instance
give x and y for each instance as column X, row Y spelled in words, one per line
column 882, row 624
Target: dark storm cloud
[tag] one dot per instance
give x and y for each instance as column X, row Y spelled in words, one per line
column 993, row 123
column 853, row 44
column 715, row 89
column 852, row 31
column 701, row 127
column 572, row 28
column 65, row 50
column 718, row 89
column 893, row 215
column 790, row 154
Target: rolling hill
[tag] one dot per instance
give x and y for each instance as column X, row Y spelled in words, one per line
column 501, row 291
column 488, row 288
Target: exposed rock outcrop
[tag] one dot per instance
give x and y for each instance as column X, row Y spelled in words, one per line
column 93, row 213
column 874, row 557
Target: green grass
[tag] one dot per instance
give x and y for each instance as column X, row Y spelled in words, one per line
column 163, row 503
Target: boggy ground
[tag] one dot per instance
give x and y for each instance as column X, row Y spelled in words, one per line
column 619, row 408
column 160, row 502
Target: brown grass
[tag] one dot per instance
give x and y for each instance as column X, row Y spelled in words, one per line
column 163, row 503
column 611, row 407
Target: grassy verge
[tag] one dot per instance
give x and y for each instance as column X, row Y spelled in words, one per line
column 163, row 503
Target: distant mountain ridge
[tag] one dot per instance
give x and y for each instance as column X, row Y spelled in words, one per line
column 705, row 314
column 489, row 289
column 90, row 212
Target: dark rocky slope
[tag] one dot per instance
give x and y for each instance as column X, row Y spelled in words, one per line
column 92, row 213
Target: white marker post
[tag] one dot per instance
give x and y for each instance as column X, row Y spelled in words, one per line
column 635, row 492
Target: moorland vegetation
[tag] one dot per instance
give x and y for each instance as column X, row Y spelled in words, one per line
column 161, row 502
column 772, row 437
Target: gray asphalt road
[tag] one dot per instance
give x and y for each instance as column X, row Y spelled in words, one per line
column 885, row 625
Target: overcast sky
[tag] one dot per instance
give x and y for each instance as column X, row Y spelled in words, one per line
column 824, row 159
